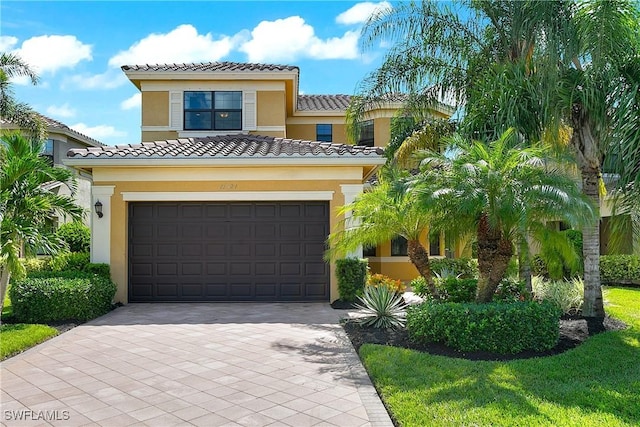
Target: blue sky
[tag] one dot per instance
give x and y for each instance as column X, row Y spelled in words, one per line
column 77, row 47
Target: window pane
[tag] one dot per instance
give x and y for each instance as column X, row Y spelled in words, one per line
column 228, row 120
column 399, row 246
column 369, row 251
column 197, row 120
column 197, row 100
column 47, row 147
column 366, row 134
column 434, row 245
column 324, row 133
column 228, row 100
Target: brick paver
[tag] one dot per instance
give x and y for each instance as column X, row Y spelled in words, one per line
column 195, row 364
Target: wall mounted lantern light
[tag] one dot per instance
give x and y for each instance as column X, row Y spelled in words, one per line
column 98, row 207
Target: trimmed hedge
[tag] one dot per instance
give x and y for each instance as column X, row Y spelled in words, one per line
column 70, row 261
column 79, row 296
column 505, row 328
column 620, row 269
column 352, row 276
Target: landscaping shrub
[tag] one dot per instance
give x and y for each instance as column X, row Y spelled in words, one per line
column 70, row 261
column 352, row 275
column 620, row 269
column 34, row 265
column 99, row 269
column 377, row 280
column 506, row 328
column 567, row 295
column 539, row 267
column 466, row 268
column 511, row 290
column 419, row 286
column 50, row 299
column 76, row 235
column 453, row 289
column 382, row 307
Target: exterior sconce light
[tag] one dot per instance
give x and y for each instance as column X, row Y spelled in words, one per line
column 98, row 207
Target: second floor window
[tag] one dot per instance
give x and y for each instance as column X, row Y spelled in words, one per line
column 47, row 150
column 366, row 134
column 220, row 110
column 324, row 133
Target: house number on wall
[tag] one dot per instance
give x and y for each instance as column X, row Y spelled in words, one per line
column 228, row 186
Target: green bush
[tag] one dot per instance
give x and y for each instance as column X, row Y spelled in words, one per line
column 505, row 328
column 51, row 299
column 510, row 290
column 70, row 261
column 419, row 286
column 352, row 276
column 453, row 289
column 466, row 268
column 567, row 295
column 620, row 269
column 34, row 265
column 76, row 235
column 539, row 267
column 99, row 269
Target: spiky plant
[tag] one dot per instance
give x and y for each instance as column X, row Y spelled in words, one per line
column 382, row 308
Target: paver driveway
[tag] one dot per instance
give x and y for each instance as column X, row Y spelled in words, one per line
column 195, row 364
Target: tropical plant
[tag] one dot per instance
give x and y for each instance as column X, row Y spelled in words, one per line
column 566, row 294
column 382, row 307
column 377, row 280
column 76, row 235
column 500, row 192
column 12, row 110
column 27, row 205
column 384, row 213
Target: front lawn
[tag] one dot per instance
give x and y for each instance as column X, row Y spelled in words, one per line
column 595, row 384
column 15, row 338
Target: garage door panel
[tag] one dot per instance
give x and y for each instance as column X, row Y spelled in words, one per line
column 219, row 251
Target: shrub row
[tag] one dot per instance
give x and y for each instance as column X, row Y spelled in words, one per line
column 506, row 328
column 351, row 274
column 71, row 295
column 453, row 289
column 620, row 269
column 72, row 262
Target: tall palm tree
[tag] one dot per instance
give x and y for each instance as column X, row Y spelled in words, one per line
column 385, row 213
column 541, row 67
column 501, row 191
column 26, row 205
column 12, row 110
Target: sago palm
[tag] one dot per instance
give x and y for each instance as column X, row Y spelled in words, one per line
column 501, row 192
column 26, row 205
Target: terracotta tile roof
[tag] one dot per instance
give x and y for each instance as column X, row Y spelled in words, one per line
column 53, row 125
column 210, row 67
column 323, row 102
column 228, row 146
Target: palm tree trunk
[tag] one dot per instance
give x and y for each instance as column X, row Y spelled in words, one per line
column 420, row 259
column 5, row 275
column 494, row 254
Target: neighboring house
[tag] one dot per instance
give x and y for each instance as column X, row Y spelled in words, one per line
column 235, row 188
column 60, row 139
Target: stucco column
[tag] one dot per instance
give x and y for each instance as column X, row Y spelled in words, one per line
column 350, row 192
column 101, row 227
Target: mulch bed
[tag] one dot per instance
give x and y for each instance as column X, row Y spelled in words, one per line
column 573, row 332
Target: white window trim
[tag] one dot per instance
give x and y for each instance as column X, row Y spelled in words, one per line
column 206, row 196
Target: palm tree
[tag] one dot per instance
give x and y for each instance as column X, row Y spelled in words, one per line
column 501, row 191
column 12, row 110
column 385, row 213
column 541, row 67
column 26, row 205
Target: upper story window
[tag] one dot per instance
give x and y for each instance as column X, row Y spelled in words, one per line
column 47, row 150
column 219, row 110
column 324, row 133
column 399, row 246
column 366, row 133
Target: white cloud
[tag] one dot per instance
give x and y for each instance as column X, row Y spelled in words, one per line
column 7, row 43
column 360, row 13
column 183, row 44
column 108, row 80
column 51, row 53
column 63, row 111
column 135, row 101
column 289, row 38
column 98, row 132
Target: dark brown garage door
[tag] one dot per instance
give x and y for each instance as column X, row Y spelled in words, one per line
column 210, row 251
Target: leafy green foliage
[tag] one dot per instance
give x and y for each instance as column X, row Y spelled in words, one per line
column 352, row 276
column 41, row 300
column 454, row 289
column 75, row 261
column 567, row 295
column 419, row 286
column 465, row 268
column 506, row 328
column 15, row 338
column 382, row 307
column 511, row 290
column 76, row 235
column 620, row 268
column 34, row 265
column 98, row 268
column 377, row 280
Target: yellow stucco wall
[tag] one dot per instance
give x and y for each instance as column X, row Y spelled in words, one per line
column 155, row 108
column 308, row 131
column 271, row 108
column 148, row 136
column 381, row 131
column 119, row 208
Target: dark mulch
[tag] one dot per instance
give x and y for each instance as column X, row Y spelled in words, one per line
column 573, row 332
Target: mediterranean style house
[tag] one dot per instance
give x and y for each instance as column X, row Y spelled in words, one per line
column 60, row 139
column 234, row 188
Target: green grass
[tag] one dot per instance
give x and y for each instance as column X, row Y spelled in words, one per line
column 595, row 384
column 15, row 338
